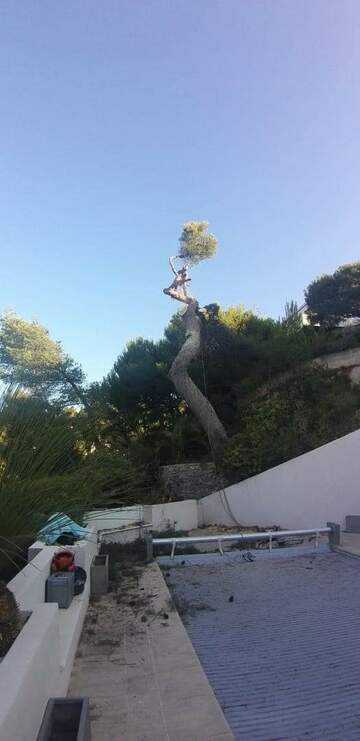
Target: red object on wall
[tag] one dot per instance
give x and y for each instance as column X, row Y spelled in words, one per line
column 63, row 561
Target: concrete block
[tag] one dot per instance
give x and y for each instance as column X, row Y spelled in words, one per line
column 60, row 588
column 66, row 719
column 334, row 536
column 99, row 575
column 352, row 523
column 149, row 548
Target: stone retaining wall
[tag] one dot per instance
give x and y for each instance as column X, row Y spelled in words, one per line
column 190, row 480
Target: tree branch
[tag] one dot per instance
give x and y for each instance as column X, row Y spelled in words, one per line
column 178, row 296
column 172, row 264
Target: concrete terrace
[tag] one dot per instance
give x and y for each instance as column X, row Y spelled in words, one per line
column 279, row 641
column 136, row 663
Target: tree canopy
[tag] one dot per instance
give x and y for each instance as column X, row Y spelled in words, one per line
column 31, row 359
column 242, row 354
column 137, row 394
column 196, row 243
column 332, row 298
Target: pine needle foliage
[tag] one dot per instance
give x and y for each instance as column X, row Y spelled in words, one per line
column 196, row 243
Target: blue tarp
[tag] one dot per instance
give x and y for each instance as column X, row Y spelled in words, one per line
column 59, row 524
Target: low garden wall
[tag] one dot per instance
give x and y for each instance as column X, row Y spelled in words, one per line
column 105, row 519
column 172, row 515
column 39, row 663
column 125, row 535
column 176, row 516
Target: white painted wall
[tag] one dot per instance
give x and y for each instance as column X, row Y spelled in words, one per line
column 125, row 535
column 30, row 674
column 308, row 491
column 181, row 515
column 28, row 586
column 104, row 519
column 39, row 663
column 38, row 666
column 176, row 515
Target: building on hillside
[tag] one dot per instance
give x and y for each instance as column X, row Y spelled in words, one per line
column 303, row 315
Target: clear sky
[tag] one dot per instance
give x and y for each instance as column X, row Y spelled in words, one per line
column 122, row 119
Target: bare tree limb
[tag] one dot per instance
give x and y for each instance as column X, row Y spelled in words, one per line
column 171, row 262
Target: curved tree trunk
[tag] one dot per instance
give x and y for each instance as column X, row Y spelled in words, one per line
column 79, row 393
column 186, row 388
column 88, row 408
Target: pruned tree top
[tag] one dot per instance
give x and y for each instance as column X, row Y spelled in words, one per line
column 196, row 243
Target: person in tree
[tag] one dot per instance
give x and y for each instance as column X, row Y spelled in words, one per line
column 177, row 289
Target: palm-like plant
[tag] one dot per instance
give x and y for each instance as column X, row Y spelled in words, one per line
column 46, row 469
column 37, row 454
column 37, row 457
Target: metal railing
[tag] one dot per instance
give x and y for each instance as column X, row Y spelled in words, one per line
column 332, row 530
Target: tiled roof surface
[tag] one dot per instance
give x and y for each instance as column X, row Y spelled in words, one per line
column 283, row 656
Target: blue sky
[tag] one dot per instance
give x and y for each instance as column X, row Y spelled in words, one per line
column 122, row 120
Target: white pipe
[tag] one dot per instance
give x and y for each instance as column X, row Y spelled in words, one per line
column 241, row 536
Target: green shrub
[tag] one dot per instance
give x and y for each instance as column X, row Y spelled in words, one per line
column 309, row 409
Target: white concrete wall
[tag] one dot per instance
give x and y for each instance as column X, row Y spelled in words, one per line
column 175, row 515
column 29, row 674
column 28, row 586
column 125, row 535
column 38, row 666
column 39, row 663
column 104, row 519
column 85, row 550
column 308, row 491
column 181, row 515
column 70, row 624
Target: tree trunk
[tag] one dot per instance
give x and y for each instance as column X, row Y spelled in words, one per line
column 79, row 393
column 186, row 388
column 88, row 408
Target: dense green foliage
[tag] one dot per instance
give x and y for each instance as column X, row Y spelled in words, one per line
column 137, row 422
column 310, row 408
column 195, row 242
column 30, row 358
column 332, row 298
column 137, row 392
column 37, row 454
column 244, row 358
column 47, row 466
